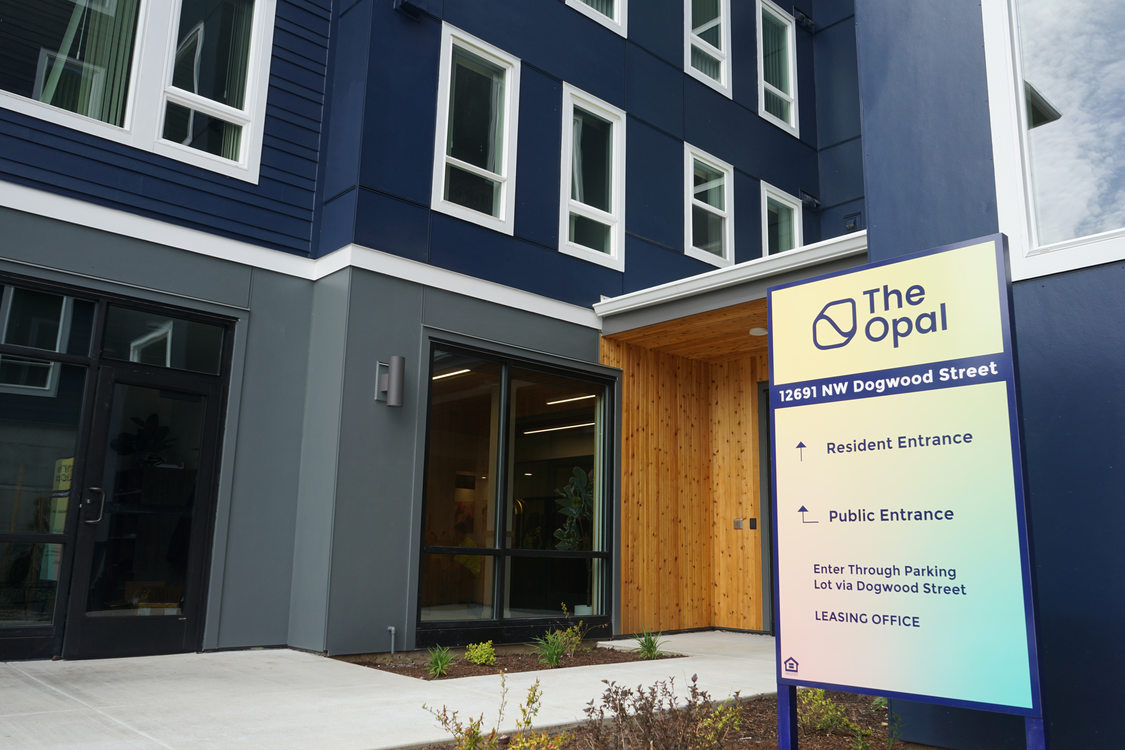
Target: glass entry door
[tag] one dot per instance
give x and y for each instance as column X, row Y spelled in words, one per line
column 144, row 513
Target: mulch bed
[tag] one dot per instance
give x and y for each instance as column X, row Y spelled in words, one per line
column 758, row 715
column 510, row 659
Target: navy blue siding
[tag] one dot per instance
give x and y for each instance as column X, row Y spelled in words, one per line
column 929, row 178
column 277, row 212
column 391, row 136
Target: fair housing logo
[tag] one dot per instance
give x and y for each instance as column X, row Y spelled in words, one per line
column 837, row 323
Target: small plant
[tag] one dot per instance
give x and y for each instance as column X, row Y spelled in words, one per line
column 441, row 659
column 559, row 642
column 553, row 646
column 528, row 739
column 648, row 645
column 816, row 711
column 481, row 654
column 653, row 718
column 469, row 734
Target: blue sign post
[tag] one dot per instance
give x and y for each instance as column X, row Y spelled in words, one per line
column 900, row 529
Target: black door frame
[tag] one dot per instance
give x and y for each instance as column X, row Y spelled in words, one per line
column 45, row 641
column 101, row 637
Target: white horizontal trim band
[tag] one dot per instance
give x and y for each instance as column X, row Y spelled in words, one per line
column 82, row 213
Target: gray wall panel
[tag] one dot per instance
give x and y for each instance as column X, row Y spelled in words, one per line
column 473, row 317
column 377, row 525
column 378, row 491
column 123, row 260
column 312, row 544
column 254, row 530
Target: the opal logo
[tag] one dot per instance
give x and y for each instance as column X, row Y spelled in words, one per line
column 891, row 316
column 835, row 325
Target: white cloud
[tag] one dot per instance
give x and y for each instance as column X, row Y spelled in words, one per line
column 1074, row 55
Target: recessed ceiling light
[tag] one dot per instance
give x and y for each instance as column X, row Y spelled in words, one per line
column 554, row 429
column 572, row 398
column 758, row 331
column 450, row 374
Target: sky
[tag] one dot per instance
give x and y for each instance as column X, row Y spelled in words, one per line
column 1073, row 52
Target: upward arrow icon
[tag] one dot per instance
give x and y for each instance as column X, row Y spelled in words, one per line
column 801, row 447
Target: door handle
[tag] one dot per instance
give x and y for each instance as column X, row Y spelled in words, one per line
column 101, row 504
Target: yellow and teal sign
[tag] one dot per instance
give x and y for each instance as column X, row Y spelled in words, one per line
column 901, row 552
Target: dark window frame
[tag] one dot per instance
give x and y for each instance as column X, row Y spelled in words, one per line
column 499, row 627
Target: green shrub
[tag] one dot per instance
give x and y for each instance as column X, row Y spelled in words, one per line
column 553, row 646
column 648, row 645
column 653, row 718
column 481, row 654
column 469, row 734
column 441, row 659
column 817, row 712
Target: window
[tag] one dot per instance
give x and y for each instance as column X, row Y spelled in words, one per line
column 515, row 504
column 592, row 219
column 708, row 218
column 40, row 321
column 777, row 66
column 781, row 221
column 707, row 42
column 612, row 14
column 1059, row 150
column 475, row 150
column 104, row 67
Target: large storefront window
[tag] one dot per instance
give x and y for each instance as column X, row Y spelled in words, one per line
column 515, row 513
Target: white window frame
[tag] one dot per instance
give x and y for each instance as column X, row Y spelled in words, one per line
column 722, row 85
column 505, row 220
column 150, row 90
column 1014, row 199
column 51, row 389
column 779, row 195
column 793, row 127
column 618, row 23
column 615, row 259
column 692, row 155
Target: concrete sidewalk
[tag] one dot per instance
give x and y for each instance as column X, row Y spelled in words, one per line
column 289, row 699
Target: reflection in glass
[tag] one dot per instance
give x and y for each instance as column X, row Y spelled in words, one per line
column 553, row 505
column 475, row 134
column 77, row 56
column 537, row 586
column 1076, row 107
column 457, row 587
column 29, row 575
column 40, row 320
column 140, row 553
column 775, row 65
column 460, row 473
column 38, row 436
column 155, row 339
column 780, row 226
column 708, row 208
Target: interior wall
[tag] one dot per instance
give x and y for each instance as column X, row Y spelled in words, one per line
column 689, row 467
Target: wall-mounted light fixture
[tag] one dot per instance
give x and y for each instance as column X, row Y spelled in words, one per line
column 409, row 8
column 389, row 377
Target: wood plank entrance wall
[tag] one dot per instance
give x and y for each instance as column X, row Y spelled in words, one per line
column 689, row 467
